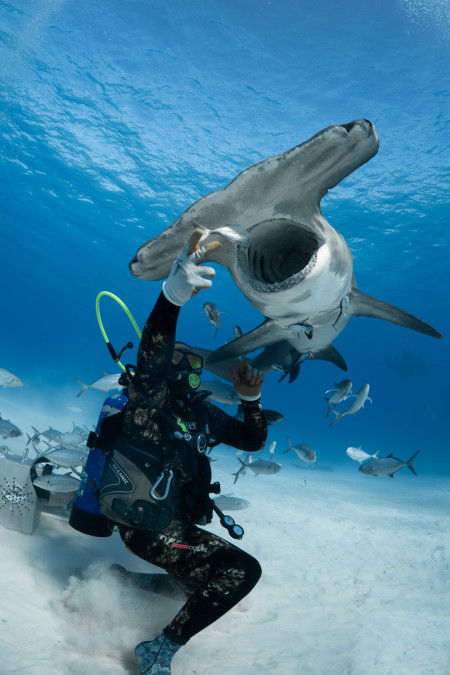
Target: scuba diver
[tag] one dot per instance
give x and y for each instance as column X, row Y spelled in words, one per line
column 165, row 417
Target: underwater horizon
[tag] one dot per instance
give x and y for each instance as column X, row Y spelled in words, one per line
column 117, row 118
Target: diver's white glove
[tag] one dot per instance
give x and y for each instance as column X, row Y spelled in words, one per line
column 187, row 276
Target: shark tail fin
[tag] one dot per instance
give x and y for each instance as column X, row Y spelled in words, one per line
column 410, row 461
column 364, row 305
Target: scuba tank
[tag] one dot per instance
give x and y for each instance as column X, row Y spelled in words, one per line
column 85, row 515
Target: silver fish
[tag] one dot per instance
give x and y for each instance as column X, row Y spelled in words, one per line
column 73, row 437
column 359, row 455
column 360, row 398
column 387, row 466
column 212, row 314
column 341, row 391
column 221, row 392
column 56, row 482
column 8, row 429
column 7, row 379
column 229, row 503
column 82, row 431
column 105, row 383
column 50, row 434
column 65, row 456
column 302, row 451
column 260, row 466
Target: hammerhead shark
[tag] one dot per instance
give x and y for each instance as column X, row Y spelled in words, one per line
column 284, row 256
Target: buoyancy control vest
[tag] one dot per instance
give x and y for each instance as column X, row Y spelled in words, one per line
column 139, row 485
column 85, row 515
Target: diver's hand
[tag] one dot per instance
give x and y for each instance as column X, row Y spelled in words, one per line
column 247, row 381
column 187, row 276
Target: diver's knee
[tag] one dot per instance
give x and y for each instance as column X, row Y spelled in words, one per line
column 253, row 571
column 245, row 564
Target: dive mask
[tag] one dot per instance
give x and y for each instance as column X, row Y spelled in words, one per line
column 186, row 365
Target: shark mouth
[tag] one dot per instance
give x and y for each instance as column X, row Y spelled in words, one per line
column 280, row 261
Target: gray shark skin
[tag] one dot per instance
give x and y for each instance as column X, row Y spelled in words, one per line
column 292, row 265
column 280, row 356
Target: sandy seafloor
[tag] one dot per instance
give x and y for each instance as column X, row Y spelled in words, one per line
column 355, row 581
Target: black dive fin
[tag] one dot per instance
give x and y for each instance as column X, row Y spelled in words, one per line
column 364, row 305
column 331, row 354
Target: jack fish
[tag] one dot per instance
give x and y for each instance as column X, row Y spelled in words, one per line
column 302, row 451
column 387, row 466
column 360, row 398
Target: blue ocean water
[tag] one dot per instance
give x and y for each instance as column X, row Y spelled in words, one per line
column 115, row 117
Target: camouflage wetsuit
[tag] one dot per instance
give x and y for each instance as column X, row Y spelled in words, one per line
column 216, row 573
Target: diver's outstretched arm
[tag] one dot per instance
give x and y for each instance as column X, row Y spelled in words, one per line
column 158, row 337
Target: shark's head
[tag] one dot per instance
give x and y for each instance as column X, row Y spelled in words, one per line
column 288, row 261
column 282, row 243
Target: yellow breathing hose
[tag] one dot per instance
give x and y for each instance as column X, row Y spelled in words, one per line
column 100, row 323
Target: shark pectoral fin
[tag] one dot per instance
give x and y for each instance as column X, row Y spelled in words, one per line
column 331, row 354
column 221, row 369
column 364, row 305
column 294, row 373
column 265, row 334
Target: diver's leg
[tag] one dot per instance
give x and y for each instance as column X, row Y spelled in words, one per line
column 223, row 575
column 159, row 583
